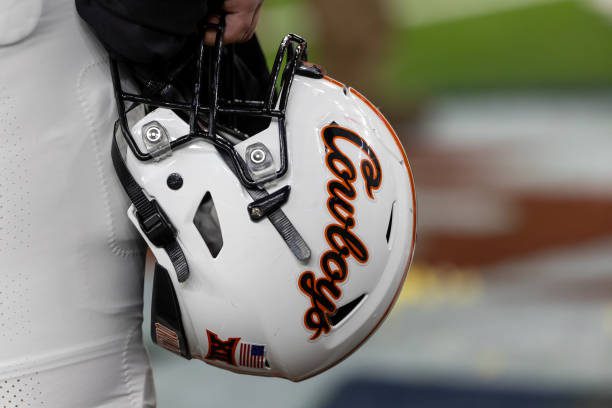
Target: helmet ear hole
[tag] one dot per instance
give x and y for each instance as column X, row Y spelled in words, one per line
column 206, row 221
column 166, row 322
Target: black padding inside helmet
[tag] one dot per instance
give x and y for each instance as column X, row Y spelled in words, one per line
column 165, row 311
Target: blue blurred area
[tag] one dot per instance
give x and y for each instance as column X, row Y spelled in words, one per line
column 370, row 393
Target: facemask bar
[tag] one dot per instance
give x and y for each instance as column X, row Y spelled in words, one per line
column 203, row 122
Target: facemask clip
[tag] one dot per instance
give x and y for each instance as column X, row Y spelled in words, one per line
column 260, row 163
column 156, row 140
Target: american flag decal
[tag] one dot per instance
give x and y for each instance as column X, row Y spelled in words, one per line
column 252, row 355
column 167, row 338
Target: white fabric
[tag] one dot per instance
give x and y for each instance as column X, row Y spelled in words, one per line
column 70, row 263
column 18, row 18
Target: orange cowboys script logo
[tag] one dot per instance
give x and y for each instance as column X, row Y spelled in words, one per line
column 324, row 291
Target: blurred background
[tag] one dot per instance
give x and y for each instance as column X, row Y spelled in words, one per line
column 505, row 111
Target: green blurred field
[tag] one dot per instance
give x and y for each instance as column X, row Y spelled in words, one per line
column 563, row 44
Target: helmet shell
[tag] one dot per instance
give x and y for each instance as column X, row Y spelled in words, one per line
column 352, row 200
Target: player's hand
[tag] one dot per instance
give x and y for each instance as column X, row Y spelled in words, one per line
column 240, row 21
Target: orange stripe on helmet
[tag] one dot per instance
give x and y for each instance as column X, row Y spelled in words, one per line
column 333, row 81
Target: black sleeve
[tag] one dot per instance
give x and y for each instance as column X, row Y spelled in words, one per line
column 144, row 31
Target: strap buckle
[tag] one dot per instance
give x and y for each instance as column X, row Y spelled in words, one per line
column 157, row 228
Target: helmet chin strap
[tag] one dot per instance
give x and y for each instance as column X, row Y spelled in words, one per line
column 277, row 217
column 153, row 221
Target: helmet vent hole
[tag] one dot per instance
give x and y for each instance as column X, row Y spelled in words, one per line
column 390, row 224
column 206, row 221
column 344, row 311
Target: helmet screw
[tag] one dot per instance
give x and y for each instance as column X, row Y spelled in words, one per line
column 153, row 134
column 256, row 212
column 258, row 156
column 175, row 181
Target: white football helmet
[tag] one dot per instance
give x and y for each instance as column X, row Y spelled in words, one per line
column 278, row 253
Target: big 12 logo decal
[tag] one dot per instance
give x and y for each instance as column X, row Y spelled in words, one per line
column 324, row 291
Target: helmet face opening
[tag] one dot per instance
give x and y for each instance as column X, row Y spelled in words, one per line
column 280, row 251
column 216, row 121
